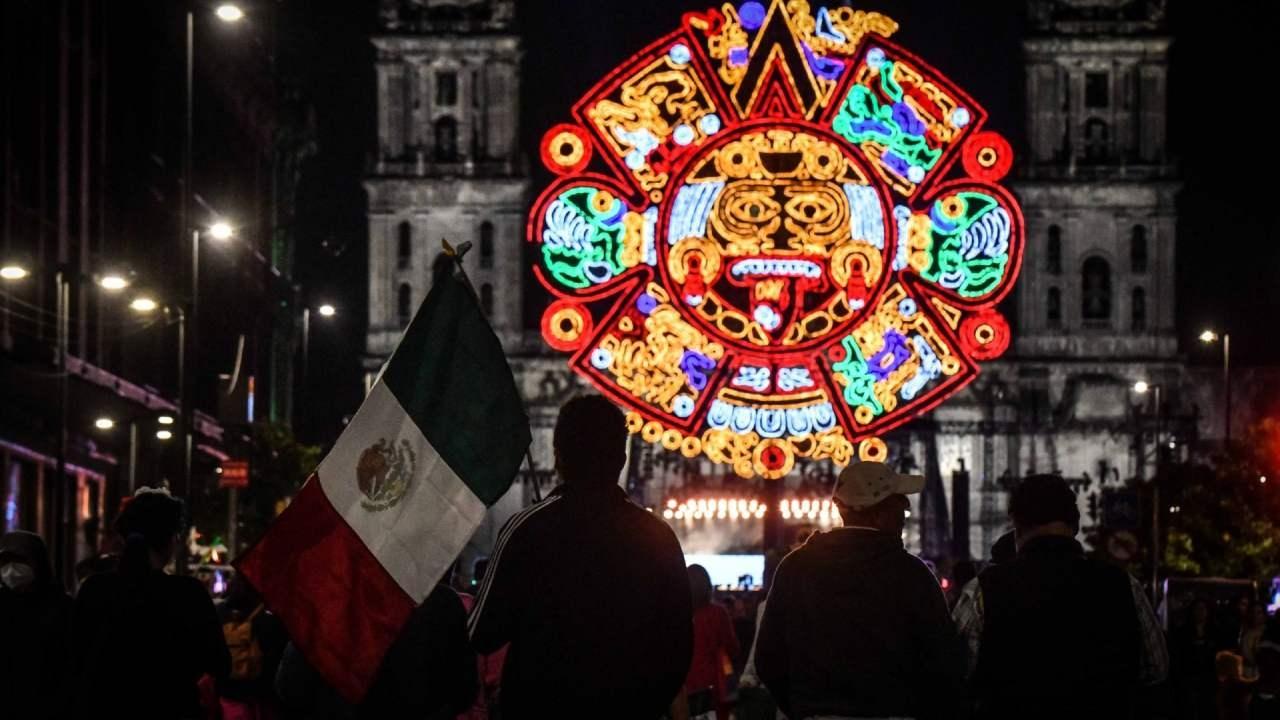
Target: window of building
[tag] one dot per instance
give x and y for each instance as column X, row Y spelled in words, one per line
column 446, row 139
column 486, row 244
column 1097, row 90
column 486, row 298
column 1053, row 261
column 404, row 246
column 1095, row 290
column 1139, row 309
column 1096, row 140
column 1138, row 249
column 446, row 89
column 1053, row 307
column 404, row 304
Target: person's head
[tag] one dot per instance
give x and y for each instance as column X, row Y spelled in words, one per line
column 1230, row 666
column 590, row 441
column 1004, row 549
column 1200, row 611
column 24, row 562
column 1043, row 505
column 871, row 494
column 699, row 586
column 150, row 525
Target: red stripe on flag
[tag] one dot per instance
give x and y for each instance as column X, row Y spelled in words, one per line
column 341, row 607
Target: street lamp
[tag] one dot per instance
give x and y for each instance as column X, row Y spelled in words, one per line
column 1142, row 387
column 165, row 419
column 1209, row 337
column 221, row 231
column 229, row 13
column 164, row 434
column 143, row 304
column 327, row 310
column 13, row 272
column 113, row 282
column 104, row 423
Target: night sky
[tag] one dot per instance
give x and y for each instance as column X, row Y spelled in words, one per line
column 1228, row 258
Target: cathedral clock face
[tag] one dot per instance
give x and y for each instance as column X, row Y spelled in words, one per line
column 776, row 235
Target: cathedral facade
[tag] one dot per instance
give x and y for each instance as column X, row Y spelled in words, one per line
column 1093, row 312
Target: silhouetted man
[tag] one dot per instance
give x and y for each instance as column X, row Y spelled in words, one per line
column 855, row 627
column 588, row 588
column 1052, row 633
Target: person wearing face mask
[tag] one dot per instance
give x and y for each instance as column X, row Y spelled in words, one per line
column 35, row 620
column 144, row 638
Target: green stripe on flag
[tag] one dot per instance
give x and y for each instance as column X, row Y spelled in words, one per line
column 450, row 374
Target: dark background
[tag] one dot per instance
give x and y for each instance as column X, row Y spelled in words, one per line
column 1220, row 122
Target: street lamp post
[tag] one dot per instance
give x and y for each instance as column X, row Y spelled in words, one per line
column 1209, row 337
column 1142, row 387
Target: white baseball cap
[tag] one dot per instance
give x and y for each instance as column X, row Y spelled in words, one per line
column 863, row 484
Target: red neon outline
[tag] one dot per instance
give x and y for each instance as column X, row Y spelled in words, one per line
column 622, row 291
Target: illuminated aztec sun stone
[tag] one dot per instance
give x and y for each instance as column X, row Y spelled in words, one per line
column 761, row 244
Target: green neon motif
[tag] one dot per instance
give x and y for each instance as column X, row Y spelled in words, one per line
column 582, row 247
column 862, row 118
column 969, row 253
column 860, row 390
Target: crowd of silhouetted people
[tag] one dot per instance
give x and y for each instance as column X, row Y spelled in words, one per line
column 586, row 609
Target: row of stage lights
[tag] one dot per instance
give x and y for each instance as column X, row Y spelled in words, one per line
column 730, row 508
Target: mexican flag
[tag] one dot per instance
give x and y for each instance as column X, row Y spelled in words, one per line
column 438, row 439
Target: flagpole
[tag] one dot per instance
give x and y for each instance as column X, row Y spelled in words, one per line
column 456, row 254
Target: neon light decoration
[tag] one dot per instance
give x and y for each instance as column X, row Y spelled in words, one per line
column 760, row 240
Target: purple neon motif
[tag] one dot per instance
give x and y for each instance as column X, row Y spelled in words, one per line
column 695, row 366
column 890, row 357
column 824, row 67
column 646, row 303
column 907, row 119
column 738, row 56
column 751, row 14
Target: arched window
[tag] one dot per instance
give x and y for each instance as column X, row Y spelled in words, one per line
column 1096, row 140
column 486, row 298
column 404, row 304
column 1053, row 263
column 404, row 246
column 486, row 244
column 446, row 88
column 1053, row 307
column 1139, row 309
column 446, row 139
column 1138, row 249
column 1095, row 290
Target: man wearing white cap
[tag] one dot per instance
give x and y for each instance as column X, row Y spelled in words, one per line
column 854, row 626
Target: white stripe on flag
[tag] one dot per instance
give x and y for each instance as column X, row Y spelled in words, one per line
column 491, row 569
column 419, row 536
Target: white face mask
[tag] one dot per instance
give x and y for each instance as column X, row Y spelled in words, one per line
column 15, row 575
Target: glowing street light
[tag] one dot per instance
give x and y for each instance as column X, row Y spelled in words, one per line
column 165, row 419
column 1141, row 387
column 164, row 434
column 13, row 272
column 220, row 231
column 113, row 282
column 229, row 13
column 327, row 310
column 143, row 304
column 104, row 423
column 1208, row 336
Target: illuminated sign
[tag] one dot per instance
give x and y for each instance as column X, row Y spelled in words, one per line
column 775, row 235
